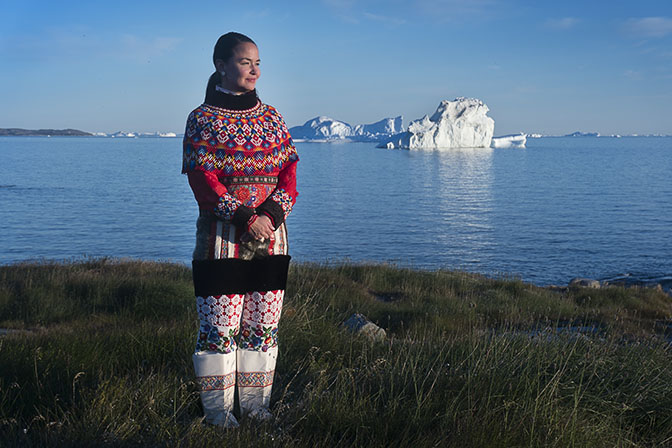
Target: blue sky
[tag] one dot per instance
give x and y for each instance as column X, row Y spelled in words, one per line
column 541, row 66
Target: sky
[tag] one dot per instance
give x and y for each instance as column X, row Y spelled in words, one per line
column 541, row 66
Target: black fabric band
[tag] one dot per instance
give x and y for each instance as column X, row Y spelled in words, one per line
column 240, row 217
column 232, row 102
column 274, row 209
column 235, row 276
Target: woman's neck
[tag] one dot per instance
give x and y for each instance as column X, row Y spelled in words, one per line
column 219, row 88
column 220, row 97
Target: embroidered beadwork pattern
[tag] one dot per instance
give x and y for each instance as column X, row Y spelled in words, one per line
column 255, row 379
column 227, row 206
column 248, row 143
column 236, row 162
column 251, row 195
column 284, row 200
column 217, row 382
column 263, row 307
column 220, row 311
column 272, row 180
column 258, row 337
column 216, row 339
column 230, row 112
column 278, row 243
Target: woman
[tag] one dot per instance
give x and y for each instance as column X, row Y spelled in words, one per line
column 241, row 165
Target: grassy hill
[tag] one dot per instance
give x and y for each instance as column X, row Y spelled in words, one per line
column 100, row 355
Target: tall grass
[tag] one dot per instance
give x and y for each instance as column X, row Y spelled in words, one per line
column 103, row 358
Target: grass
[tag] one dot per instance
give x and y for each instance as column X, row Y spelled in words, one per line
column 101, row 356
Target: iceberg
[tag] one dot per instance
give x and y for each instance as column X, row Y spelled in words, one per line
column 380, row 129
column 509, row 141
column 328, row 129
column 461, row 123
column 322, row 128
column 123, row 134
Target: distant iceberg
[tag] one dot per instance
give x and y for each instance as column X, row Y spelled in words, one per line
column 509, row 141
column 328, row 129
column 157, row 134
column 322, row 128
column 462, row 123
column 379, row 130
column 124, row 134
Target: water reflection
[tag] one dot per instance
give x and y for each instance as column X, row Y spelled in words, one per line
column 418, row 208
column 458, row 190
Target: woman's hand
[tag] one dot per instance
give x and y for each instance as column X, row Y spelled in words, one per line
column 261, row 228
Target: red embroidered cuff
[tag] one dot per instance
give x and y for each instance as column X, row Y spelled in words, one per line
column 251, row 221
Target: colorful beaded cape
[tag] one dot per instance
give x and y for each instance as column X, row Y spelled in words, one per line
column 237, row 142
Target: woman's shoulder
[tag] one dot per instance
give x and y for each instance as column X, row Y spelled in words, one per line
column 196, row 112
column 270, row 110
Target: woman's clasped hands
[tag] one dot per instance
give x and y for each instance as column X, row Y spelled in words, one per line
column 261, row 228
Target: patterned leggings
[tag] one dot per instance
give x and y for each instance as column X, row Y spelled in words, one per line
column 237, row 343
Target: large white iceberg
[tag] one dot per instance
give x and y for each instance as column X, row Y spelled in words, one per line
column 461, row 123
column 328, row 129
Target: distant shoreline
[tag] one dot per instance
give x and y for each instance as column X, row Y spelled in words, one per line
column 18, row 132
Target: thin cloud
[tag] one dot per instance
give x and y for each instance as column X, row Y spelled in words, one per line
column 384, row 19
column 448, row 10
column 564, row 23
column 147, row 49
column 649, row 27
column 633, row 74
column 52, row 44
column 340, row 4
column 352, row 12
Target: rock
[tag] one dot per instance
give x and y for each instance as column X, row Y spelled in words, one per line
column 461, row 123
column 359, row 324
column 584, row 283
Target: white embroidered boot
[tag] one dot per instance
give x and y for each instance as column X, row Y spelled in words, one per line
column 215, row 356
column 255, row 382
column 215, row 375
column 258, row 351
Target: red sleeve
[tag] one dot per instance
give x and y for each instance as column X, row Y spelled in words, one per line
column 206, row 187
column 287, row 181
column 280, row 203
column 210, row 193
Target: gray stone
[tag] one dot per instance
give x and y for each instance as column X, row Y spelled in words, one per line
column 359, row 324
column 584, row 283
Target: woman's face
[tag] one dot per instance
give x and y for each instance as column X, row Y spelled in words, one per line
column 242, row 69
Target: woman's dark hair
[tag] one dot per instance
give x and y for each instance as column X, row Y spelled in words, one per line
column 224, row 51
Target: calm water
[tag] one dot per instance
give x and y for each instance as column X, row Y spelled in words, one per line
column 563, row 207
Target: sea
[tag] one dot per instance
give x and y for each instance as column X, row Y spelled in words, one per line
column 564, row 207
